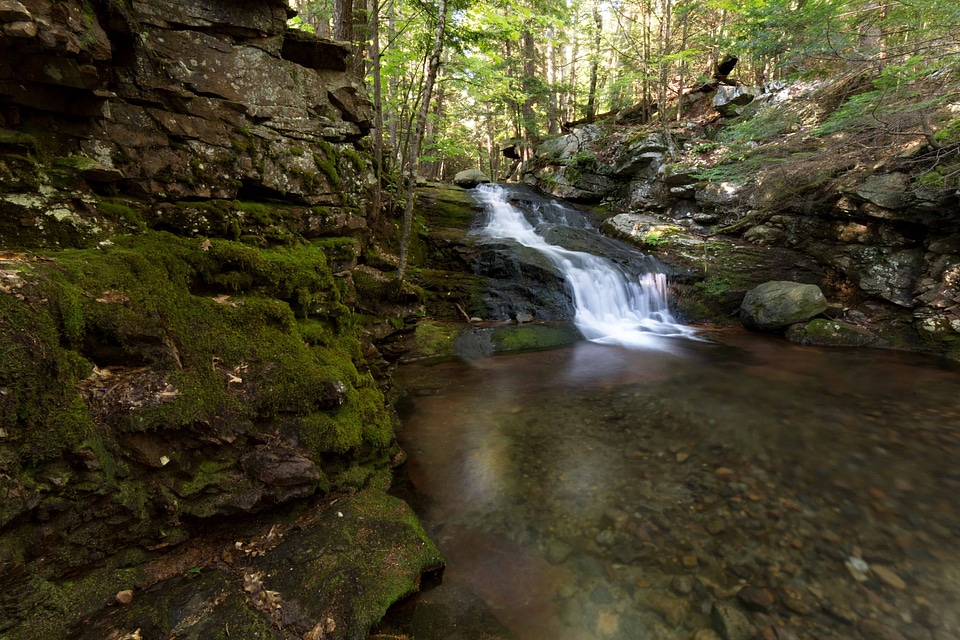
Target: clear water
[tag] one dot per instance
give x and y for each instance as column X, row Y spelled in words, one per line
column 612, row 306
column 602, row 492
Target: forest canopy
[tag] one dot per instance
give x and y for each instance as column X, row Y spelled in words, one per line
column 513, row 74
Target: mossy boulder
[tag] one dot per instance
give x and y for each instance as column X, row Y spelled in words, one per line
column 821, row 332
column 775, row 305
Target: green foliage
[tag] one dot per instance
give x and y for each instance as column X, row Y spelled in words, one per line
column 898, row 92
column 582, row 161
column 713, row 285
column 950, row 134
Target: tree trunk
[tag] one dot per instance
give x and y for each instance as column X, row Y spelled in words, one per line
column 531, row 134
column 553, row 110
column 393, row 84
column 594, row 64
column 433, row 65
column 683, row 64
column 432, row 168
column 663, row 78
column 361, row 38
column 376, row 198
column 343, row 20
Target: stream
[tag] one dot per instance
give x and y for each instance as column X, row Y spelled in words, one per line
column 645, row 485
column 598, row 491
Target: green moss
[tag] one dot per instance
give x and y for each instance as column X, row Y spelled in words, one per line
column 327, row 162
column 660, row 235
column 119, row 210
column 369, row 287
column 18, row 140
column 533, row 336
column 360, row 422
column 246, row 145
column 141, row 307
column 40, row 405
column 358, row 159
column 713, row 285
column 55, row 605
column 210, row 473
column 435, row 339
column 79, row 163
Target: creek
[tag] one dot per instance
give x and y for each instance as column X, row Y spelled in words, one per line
column 610, row 490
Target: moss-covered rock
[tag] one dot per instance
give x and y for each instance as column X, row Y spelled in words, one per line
column 156, row 378
column 822, row 332
column 332, row 576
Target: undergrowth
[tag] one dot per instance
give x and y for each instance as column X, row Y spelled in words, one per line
column 866, row 116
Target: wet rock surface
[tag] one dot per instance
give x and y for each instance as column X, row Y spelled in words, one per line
column 738, row 490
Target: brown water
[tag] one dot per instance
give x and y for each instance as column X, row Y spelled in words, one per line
column 600, row 492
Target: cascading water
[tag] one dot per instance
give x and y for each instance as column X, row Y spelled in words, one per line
column 611, row 306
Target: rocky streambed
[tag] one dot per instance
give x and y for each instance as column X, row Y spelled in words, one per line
column 742, row 489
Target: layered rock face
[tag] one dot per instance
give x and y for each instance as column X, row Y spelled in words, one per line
column 177, row 101
column 183, row 192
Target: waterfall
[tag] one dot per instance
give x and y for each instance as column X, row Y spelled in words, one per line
column 611, row 305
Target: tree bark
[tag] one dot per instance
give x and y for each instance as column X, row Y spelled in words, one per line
column 553, row 110
column 343, row 20
column 433, row 66
column 530, row 133
column 393, row 84
column 594, row 64
column 376, row 199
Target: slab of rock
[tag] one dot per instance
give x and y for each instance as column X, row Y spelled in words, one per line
column 730, row 622
column 821, row 332
column 756, row 599
column 763, row 235
column 777, row 304
column 470, row 178
column 888, row 190
column 889, row 576
column 719, row 194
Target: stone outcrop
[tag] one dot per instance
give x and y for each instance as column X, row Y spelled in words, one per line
column 183, row 214
column 175, row 102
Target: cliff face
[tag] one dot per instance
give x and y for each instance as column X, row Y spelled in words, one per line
column 183, row 191
column 182, row 100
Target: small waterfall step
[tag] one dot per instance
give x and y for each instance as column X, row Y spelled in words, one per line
column 612, row 306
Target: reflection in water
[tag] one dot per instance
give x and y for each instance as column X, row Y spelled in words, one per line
column 601, row 492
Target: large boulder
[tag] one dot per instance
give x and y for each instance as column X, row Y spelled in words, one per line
column 777, row 304
column 470, row 178
column 728, row 100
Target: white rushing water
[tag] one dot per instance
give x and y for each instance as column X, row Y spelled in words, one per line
column 612, row 307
